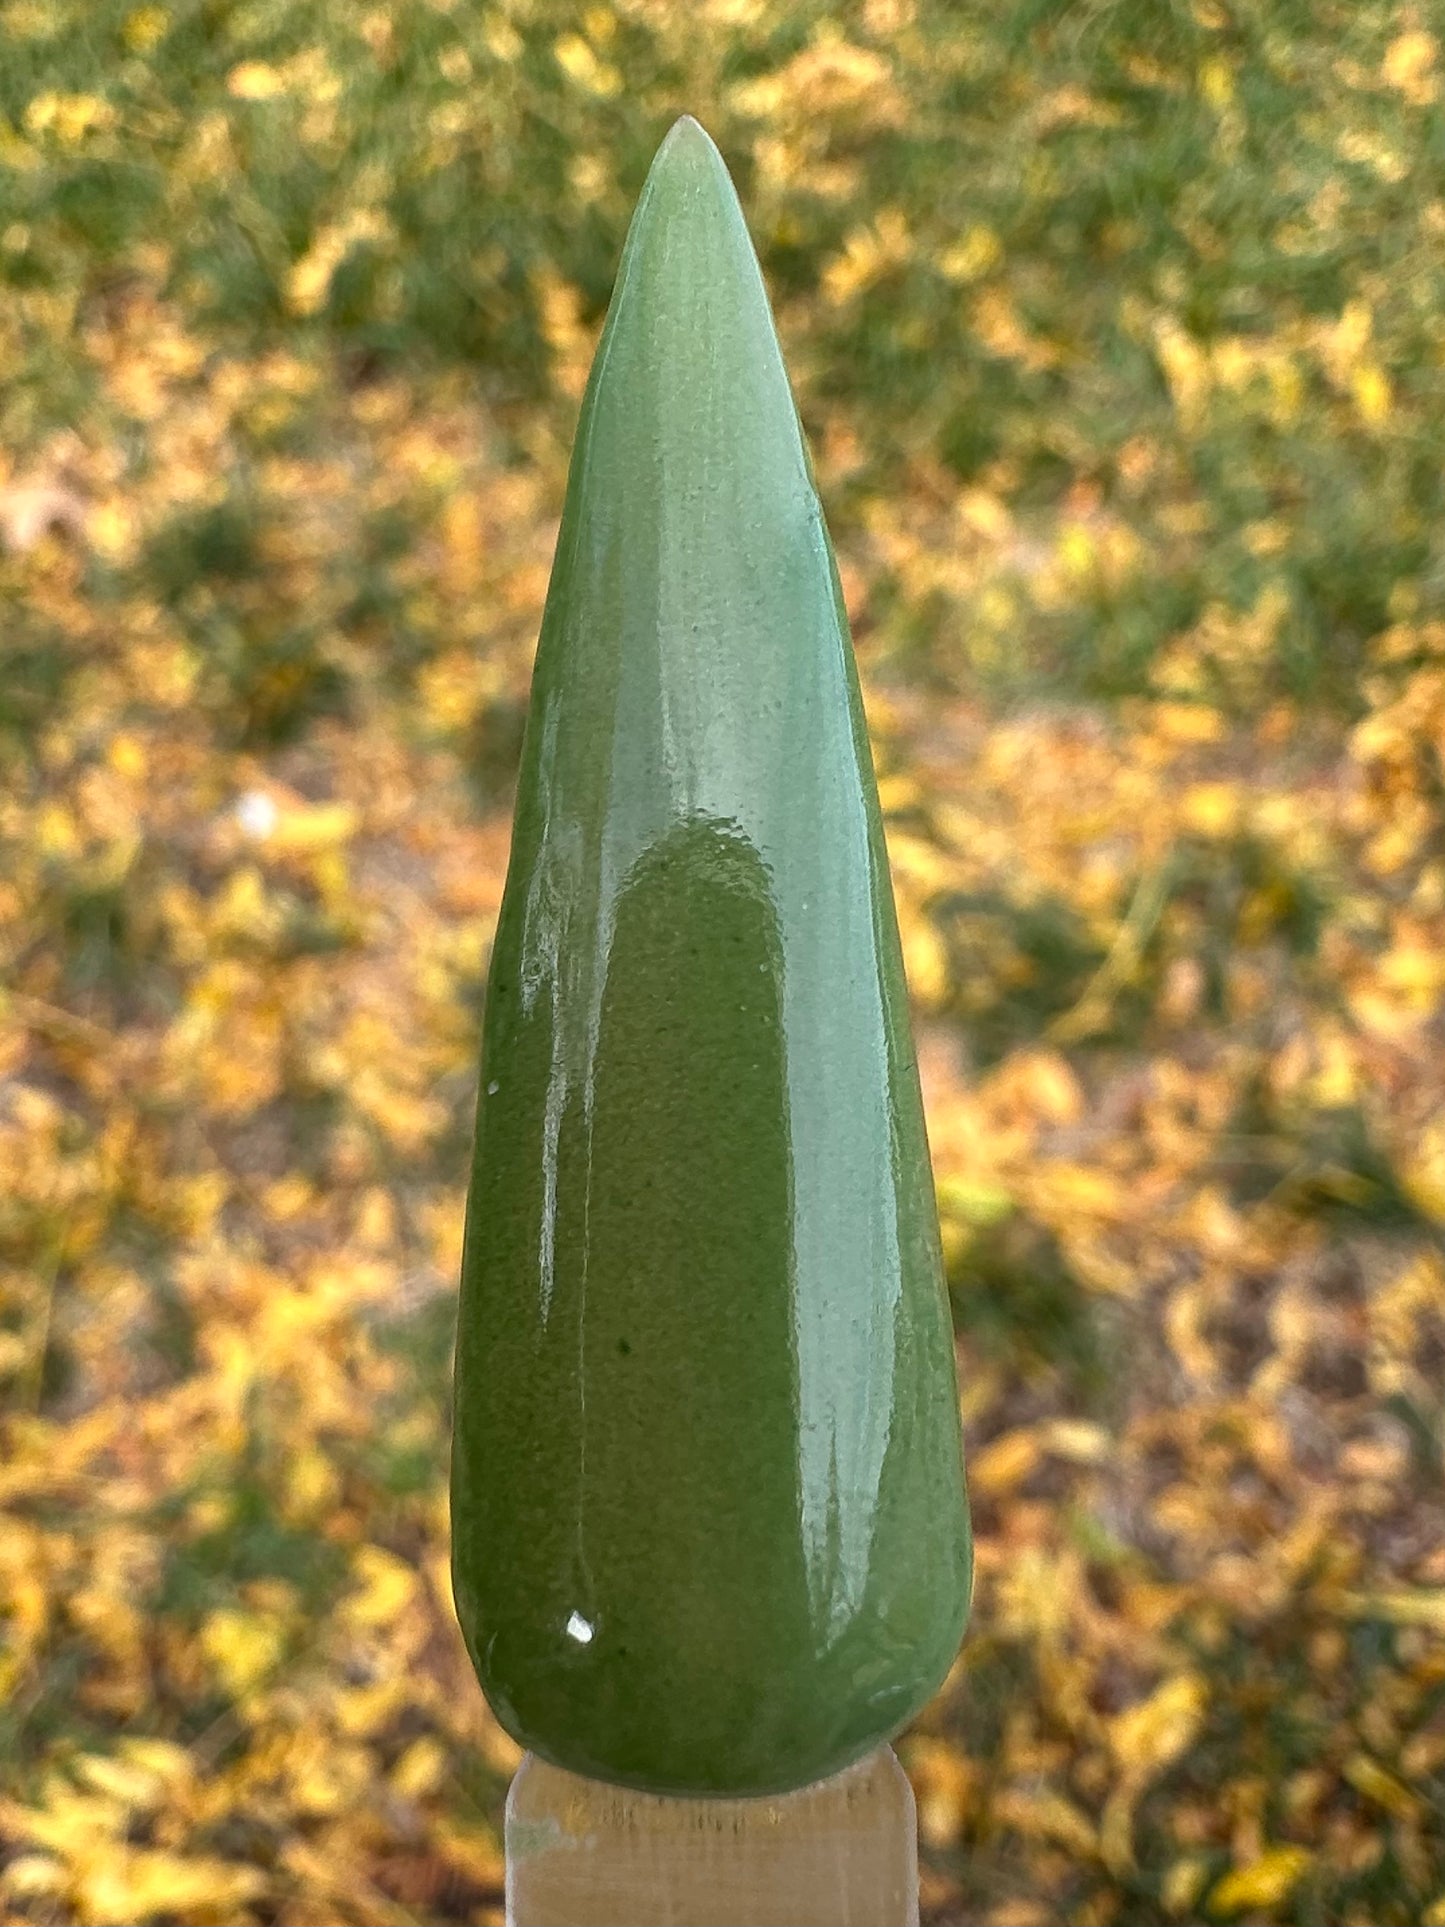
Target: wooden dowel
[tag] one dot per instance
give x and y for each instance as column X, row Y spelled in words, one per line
column 840, row 1853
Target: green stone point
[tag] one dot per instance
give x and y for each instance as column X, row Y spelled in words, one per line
column 709, row 1526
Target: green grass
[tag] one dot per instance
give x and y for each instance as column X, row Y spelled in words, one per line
column 1140, row 174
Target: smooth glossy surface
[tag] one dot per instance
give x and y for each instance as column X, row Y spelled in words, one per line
column 709, row 1528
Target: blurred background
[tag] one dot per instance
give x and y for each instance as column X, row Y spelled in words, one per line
column 1119, row 330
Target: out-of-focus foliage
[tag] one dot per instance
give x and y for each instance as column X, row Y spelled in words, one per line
column 1120, row 330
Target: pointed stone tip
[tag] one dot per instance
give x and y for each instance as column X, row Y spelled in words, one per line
column 687, row 183
column 688, row 149
column 687, row 131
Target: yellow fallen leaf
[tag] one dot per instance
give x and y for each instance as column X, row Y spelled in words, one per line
column 1265, row 1882
column 1211, row 809
column 1116, row 1830
column 137, row 1884
column 580, row 64
column 70, row 1824
column 1045, row 1081
column 130, row 1783
column 364, row 1712
column 473, row 1850
column 1187, row 722
column 33, row 1874
column 1373, row 398
column 143, row 28
column 314, row 828
column 1038, row 1594
column 1407, row 67
column 1368, row 1777
column 386, row 1587
column 420, row 1770
column 1007, row 1462
column 243, row 1648
column 309, row 282
column 1147, row 1737
column 254, row 80
column 1049, row 1816
column 1077, row 1439
column 925, row 962
column 1183, row 1882
column 1400, row 1608
column 915, row 860
column 172, row 1765
column 975, row 1202
column 1068, row 1189
column 945, row 1785
column 70, row 117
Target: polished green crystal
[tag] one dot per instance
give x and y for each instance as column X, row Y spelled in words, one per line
column 709, row 1525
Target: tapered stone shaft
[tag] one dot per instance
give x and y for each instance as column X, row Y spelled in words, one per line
column 709, row 1526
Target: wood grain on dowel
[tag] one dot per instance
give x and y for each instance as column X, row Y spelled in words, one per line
column 841, row 1853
